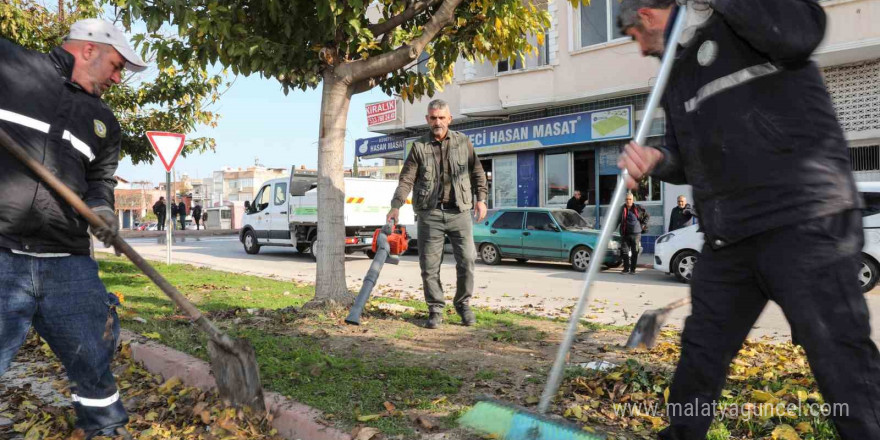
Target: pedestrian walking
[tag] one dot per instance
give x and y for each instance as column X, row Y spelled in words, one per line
column 160, row 209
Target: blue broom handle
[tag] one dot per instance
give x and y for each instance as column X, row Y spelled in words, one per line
column 611, row 219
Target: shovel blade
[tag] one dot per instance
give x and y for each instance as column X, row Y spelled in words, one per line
column 237, row 374
column 644, row 334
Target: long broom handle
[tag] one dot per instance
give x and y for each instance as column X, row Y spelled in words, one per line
column 598, row 256
column 121, row 245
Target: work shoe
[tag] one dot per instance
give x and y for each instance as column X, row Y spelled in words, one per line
column 434, row 320
column 467, row 316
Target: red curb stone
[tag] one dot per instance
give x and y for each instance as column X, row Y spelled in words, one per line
column 293, row 420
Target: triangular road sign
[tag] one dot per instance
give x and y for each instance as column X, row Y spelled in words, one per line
column 167, row 145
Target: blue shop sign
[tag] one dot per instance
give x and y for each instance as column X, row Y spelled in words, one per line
column 576, row 128
column 379, row 145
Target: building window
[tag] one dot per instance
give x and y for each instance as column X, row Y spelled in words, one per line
column 865, row 158
column 597, row 22
column 542, row 58
column 556, row 168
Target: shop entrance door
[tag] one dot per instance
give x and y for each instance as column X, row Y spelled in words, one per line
column 585, row 179
column 487, row 168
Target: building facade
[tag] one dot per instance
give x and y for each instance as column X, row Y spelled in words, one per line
column 555, row 123
column 240, row 184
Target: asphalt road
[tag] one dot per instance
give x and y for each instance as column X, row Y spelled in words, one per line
column 540, row 288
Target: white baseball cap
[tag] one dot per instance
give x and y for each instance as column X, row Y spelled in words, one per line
column 100, row 31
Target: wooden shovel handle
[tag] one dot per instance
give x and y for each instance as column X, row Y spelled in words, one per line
column 96, row 222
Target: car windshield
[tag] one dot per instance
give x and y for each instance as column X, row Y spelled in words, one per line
column 569, row 219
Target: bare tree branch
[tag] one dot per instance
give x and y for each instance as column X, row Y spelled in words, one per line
column 414, row 8
column 380, row 65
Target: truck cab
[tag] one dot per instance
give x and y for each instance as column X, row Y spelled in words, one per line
column 285, row 213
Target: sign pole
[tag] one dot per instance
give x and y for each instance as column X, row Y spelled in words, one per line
column 170, row 224
column 167, row 146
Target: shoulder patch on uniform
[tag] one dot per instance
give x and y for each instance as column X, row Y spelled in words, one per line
column 708, row 53
column 100, row 129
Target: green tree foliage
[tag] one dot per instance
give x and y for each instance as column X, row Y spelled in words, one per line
column 175, row 97
column 348, row 46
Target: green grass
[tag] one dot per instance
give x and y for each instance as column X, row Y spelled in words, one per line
column 342, row 386
column 296, row 366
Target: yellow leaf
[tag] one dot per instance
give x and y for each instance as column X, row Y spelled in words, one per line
column 666, row 395
column 151, row 416
column 804, row 428
column 169, row 385
column 498, row 24
column 153, row 335
column 763, row 396
column 369, row 417
column 541, row 43
column 785, row 432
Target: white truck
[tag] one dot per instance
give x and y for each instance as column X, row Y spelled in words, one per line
column 285, row 213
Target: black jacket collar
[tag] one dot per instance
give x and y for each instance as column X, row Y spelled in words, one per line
column 63, row 61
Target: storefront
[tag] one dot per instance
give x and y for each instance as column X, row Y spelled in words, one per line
column 542, row 161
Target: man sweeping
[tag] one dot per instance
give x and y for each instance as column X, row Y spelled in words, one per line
column 50, row 104
column 751, row 127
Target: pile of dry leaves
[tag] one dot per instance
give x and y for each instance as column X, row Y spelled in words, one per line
column 158, row 409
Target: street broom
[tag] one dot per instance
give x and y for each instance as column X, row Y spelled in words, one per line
column 233, row 361
column 510, row 422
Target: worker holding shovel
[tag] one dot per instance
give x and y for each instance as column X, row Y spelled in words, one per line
column 751, row 127
column 50, row 104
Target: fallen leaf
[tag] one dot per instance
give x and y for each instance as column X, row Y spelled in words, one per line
column 427, row 423
column 389, row 406
column 785, row 432
column 368, row 417
column 365, row 433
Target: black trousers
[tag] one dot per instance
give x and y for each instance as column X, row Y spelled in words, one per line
column 632, row 245
column 161, row 222
column 809, row 269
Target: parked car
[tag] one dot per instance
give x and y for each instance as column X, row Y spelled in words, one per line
column 677, row 252
column 546, row 234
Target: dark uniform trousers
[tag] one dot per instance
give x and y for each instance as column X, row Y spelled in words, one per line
column 809, row 269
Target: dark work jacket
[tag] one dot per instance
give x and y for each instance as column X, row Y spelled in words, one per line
column 71, row 132
column 160, row 209
column 577, row 205
column 750, row 125
column 680, row 217
column 642, row 215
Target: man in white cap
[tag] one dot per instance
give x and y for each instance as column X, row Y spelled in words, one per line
column 50, row 104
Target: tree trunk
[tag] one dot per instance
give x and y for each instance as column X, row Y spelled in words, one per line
column 330, row 247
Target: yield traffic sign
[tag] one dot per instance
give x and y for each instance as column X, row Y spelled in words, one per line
column 167, row 145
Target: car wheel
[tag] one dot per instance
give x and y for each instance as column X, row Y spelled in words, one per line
column 683, row 265
column 302, row 248
column 251, row 245
column 371, row 254
column 868, row 274
column 580, row 258
column 490, row 254
column 615, row 264
column 522, row 260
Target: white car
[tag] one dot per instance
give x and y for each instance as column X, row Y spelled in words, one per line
column 677, row 252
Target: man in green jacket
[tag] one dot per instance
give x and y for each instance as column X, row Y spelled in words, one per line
column 443, row 173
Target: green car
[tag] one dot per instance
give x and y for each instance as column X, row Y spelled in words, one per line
column 540, row 234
